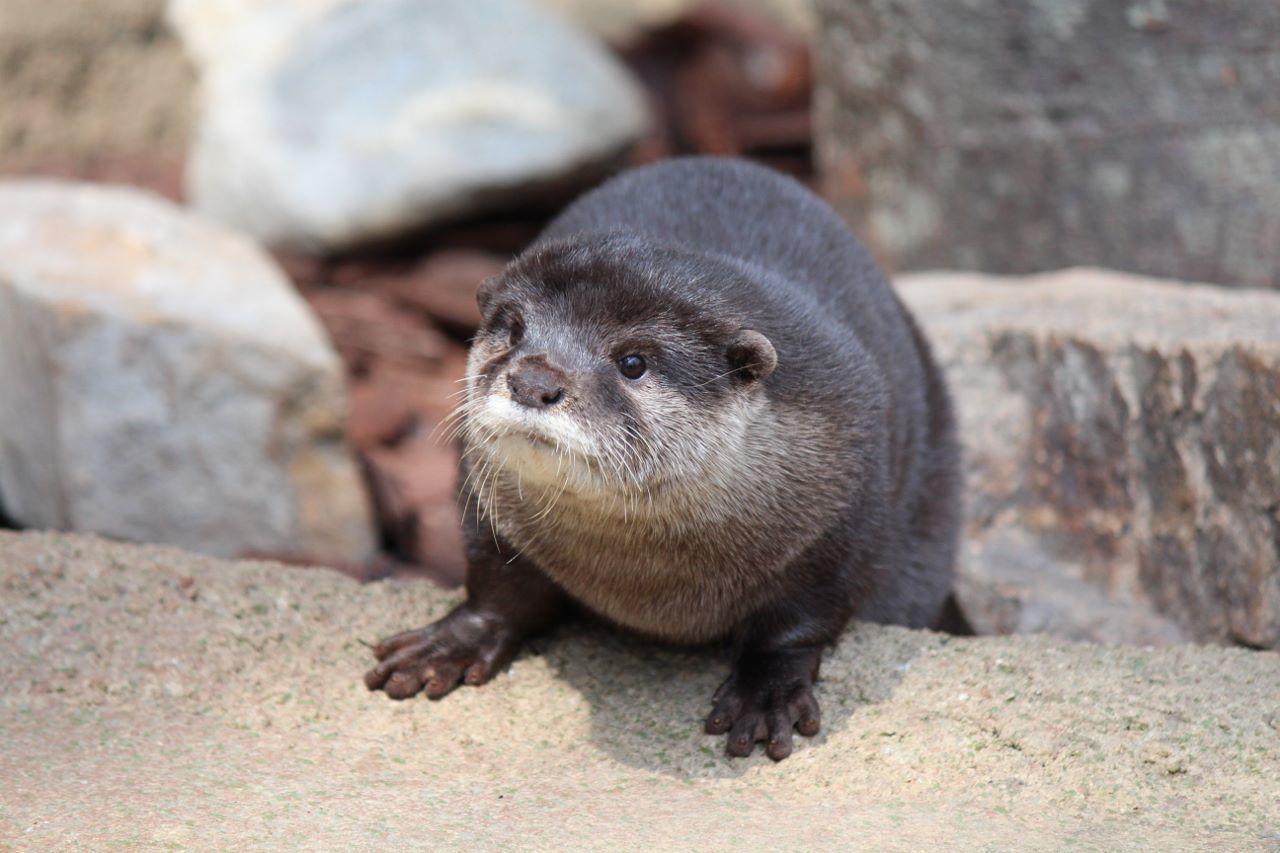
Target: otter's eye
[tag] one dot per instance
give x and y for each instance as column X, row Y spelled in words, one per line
column 632, row 366
column 516, row 333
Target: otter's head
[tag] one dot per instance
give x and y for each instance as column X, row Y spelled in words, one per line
column 609, row 365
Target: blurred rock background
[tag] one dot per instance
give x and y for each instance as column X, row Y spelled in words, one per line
column 108, row 94
column 386, row 156
column 391, row 154
column 1142, row 135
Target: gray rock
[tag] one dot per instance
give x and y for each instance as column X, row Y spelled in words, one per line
column 1121, row 433
column 163, row 382
column 331, row 123
column 1021, row 137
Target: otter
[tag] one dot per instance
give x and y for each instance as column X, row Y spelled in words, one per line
column 697, row 409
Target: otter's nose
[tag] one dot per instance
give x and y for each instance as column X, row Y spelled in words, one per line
column 536, row 384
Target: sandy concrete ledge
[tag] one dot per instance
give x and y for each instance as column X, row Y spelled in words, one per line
column 159, row 699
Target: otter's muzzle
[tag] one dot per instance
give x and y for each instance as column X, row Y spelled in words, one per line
column 536, row 383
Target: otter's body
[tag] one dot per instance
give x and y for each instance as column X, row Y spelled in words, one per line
column 783, row 459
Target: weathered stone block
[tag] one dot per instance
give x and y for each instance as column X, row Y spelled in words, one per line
column 1130, row 430
column 77, row 86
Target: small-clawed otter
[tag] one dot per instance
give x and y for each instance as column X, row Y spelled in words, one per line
column 696, row 407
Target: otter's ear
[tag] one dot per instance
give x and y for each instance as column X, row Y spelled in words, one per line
column 752, row 356
column 487, row 291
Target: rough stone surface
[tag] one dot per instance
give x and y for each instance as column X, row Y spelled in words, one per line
column 161, row 381
column 327, row 123
column 153, row 698
column 75, row 85
column 1021, row 137
column 1122, row 433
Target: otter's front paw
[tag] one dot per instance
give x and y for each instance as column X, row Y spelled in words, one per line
column 764, row 706
column 463, row 646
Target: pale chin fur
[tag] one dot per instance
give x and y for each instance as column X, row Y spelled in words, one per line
column 507, row 432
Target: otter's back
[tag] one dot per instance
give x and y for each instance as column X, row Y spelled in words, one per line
column 738, row 209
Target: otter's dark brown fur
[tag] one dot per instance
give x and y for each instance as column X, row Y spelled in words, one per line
column 697, row 408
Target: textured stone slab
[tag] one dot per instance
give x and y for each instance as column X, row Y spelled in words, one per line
column 1021, row 137
column 1130, row 429
column 77, row 86
column 161, row 381
column 153, row 698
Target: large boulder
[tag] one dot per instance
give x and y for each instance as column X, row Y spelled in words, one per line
column 1022, row 137
column 328, row 123
column 161, row 381
column 1123, row 440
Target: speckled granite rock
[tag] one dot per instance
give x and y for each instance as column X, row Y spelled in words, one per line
column 162, row 381
column 153, row 698
column 1020, row 137
column 1123, row 433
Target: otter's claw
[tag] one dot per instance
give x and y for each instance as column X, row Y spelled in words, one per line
column 464, row 646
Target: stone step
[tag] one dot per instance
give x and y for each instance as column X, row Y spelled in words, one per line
column 153, row 697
